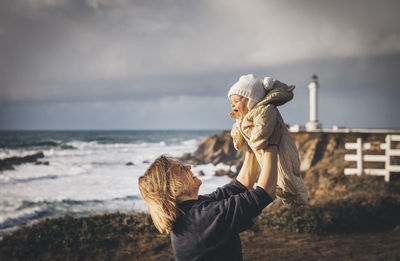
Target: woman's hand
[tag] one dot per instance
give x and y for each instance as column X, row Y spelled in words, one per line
column 269, row 170
column 248, row 173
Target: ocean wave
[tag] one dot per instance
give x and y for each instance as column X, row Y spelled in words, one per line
column 66, row 202
column 26, row 212
column 8, row 153
column 38, row 144
column 191, row 142
column 23, row 218
column 43, row 145
column 30, row 179
column 130, row 197
column 95, row 145
column 86, row 173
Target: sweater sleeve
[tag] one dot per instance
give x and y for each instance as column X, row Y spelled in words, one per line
column 237, row 211
column 264, row 124
column 224, row 192
column 237, row 137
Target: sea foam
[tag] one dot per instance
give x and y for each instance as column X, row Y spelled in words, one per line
column 86, row 177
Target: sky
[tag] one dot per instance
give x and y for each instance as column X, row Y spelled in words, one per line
column 168, row 64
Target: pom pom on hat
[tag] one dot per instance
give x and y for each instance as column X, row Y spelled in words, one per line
column 268, row 83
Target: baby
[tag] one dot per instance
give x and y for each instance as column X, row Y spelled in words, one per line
column 254, row 102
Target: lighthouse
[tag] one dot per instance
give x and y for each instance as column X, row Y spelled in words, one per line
column 313, row 123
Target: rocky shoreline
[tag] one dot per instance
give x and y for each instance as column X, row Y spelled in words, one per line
column 343, row 213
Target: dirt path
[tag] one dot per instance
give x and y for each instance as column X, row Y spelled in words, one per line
column 276, row 245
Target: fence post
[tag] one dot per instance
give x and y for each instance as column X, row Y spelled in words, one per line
column 359, row 157
column 388, row 141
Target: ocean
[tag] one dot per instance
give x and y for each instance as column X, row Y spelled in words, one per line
column 87, row 171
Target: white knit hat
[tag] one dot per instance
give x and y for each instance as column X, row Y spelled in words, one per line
column 252, row 88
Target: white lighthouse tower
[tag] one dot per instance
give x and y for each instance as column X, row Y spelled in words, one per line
column 313, row 124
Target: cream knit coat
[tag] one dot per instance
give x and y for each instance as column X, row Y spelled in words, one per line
column 256, row 128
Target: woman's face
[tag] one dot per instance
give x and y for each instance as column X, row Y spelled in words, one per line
column 239, row 105
column 186, row 176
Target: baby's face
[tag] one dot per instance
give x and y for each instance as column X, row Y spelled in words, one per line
column 239, row 105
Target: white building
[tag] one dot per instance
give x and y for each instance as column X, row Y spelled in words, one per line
column 313, row 123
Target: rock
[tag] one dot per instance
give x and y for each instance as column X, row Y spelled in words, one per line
column 129, row 163
column 201, row 173
column 33, row 157
column 9, row 163
column 42, row 163
column 6, row 167
column 146, row 162
column 215, row 149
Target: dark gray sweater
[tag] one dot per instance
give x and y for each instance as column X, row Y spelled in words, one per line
column 210, row 228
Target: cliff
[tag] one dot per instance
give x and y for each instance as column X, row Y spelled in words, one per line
column 215, row 149
column 313, row 147
column 321, row 155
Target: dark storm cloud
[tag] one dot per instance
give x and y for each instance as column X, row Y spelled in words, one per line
column 64, row 52
column 53, row 49
column 50, row 49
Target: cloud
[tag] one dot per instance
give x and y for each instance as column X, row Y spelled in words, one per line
column 98, row 49
column 179, row 112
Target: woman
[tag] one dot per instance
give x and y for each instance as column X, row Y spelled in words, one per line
column 207, row 227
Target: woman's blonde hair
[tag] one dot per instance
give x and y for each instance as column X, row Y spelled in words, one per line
column 160, row 187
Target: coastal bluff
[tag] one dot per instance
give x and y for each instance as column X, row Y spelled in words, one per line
column 321, row 156
column 313, row 148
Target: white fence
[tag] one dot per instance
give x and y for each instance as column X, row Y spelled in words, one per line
column 360, row 158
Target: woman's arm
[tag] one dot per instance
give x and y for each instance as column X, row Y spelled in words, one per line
column 248, row 173
column 269, row 162
column 269, row 173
